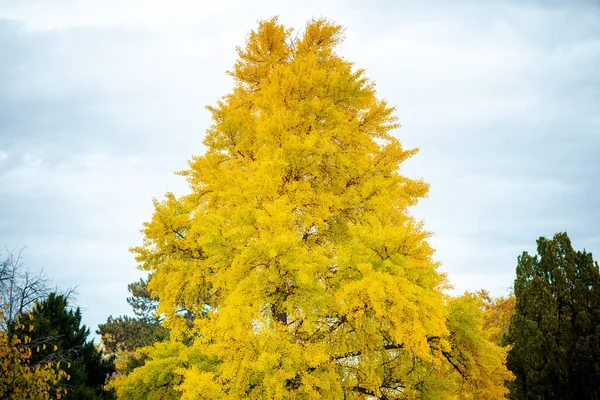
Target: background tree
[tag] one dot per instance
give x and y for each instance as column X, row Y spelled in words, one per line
column 555, row 331
column 59, row 336
column 19, row 378
column 20, row 288
column 143, row 304
column 498, row 313
column 294, row 260
column 474, row 358
column 148, row 364
column 122, row 336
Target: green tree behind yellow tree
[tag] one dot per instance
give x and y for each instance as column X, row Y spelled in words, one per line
column 555, row 330
column 294, row 269
column 20, row 379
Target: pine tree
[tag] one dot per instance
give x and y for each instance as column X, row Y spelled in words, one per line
column 123, row 335
column 20, row 379
column 555, row 332
column 59, row 336
column 294, row 261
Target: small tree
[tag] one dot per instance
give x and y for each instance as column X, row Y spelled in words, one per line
column 20, row 379
column 555, row 331
column 60, row 337
column 497, row 315
column 19, row 287
column 122, row 336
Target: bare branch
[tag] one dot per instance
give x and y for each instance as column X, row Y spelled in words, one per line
column 19, row 287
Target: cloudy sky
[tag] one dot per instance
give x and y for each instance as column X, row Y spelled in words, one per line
column 101, row 101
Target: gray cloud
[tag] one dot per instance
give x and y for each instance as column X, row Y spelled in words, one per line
column 86, row 142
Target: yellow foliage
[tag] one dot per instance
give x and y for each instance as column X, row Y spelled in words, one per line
column 497, row 314
column 295, row 252
column 19, row 380
column 479, row 365
column 160, row 375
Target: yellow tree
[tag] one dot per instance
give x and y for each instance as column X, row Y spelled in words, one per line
column 498, row 313
column 476, row 364
column 294, row 260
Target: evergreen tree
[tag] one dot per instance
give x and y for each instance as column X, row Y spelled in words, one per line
column 59, row 336
column 19, row 378
column 123, row 336
column 555, row 331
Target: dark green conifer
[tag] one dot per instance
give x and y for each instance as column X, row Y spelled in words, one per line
column 57, row 324
column 555, row 331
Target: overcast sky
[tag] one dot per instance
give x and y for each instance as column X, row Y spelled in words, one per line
column 100, row 102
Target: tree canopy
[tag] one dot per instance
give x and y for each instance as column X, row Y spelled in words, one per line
column 294, row 268
column 20, row 378
column 555, row 332
column 59, row 336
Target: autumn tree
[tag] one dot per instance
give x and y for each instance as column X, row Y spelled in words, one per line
column 59, row 336
column 498, row 312
column 20, row 379
column 294, row 261
column 555, row 332
column 476, row 361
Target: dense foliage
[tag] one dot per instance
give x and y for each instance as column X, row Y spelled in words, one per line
column 498, row 313
column 294, row 268
column 555, row 332
column 59, row 336
column 20, row 377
